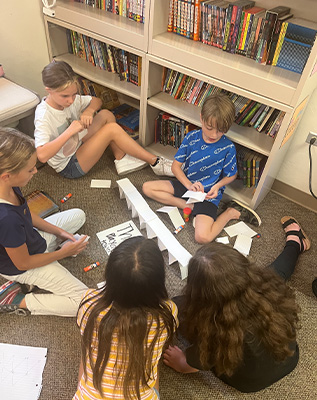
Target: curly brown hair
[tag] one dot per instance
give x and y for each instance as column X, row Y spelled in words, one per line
column 228, row 299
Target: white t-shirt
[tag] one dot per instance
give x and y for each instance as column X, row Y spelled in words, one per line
column 50, row 123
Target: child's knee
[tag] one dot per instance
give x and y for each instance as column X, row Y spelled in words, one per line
column 147, row 188
column 107, row 116
column 202, row 237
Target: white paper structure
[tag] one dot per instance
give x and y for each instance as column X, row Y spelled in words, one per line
column 21, row 369
column 100, row 183
column 240, row 228
column 243, row 244
column 174, row 214
column 154, row 226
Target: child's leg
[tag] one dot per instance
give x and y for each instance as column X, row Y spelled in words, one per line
column 207, row 224
column 93, row 148
column 70, row 220
column 66, row 290
column 163, row 192
column 102, row 118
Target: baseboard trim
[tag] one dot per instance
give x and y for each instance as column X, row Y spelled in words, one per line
column 295, row 195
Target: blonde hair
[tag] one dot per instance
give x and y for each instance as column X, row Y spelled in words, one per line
column 16, row 148
column 58, row 75
column 218, row 109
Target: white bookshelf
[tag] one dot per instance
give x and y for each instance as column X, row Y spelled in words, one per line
column 158, row 48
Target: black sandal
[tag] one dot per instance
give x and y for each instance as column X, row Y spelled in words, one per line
column 303, row 238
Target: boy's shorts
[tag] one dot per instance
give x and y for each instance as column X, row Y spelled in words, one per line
column 204, row 208
column 72, row 169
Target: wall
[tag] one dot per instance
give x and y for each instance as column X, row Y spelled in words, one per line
column 23, row 53
column 295, row 169
column 23, row 48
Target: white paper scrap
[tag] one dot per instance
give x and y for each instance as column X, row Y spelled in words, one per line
column 77, row 236
column 174, row 214
column 243, row 244
column 224, row 240
column 21, row 370
column 100, row 183
column 194, row 197
column 240, row 228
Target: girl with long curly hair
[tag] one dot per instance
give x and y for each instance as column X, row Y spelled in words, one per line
column 240, row 320
column 125, row 325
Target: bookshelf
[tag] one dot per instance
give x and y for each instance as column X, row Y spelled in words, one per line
column 272, row 86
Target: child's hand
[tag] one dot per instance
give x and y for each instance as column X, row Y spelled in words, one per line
column 86, row 118
column 196, row 187
column 176, row 359
column 76, row 127
column 212, row 194
column 74, row 248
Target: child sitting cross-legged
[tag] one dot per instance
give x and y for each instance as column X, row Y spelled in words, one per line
column 205, row 162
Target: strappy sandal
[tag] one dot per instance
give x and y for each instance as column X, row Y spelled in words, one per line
column 303, row 238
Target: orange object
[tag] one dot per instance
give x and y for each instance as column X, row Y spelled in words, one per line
column 186, row 213
column 91, row 266
column 66, row 198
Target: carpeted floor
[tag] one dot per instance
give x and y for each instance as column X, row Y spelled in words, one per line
column 104, row 209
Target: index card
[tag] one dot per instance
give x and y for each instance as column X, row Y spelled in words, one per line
column 194, row 197
column 100, row 183
column 240, row 228
column 243, row 244
column 174, row 215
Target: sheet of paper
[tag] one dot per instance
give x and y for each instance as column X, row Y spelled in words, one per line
column 21, row 370
column 174, row 214
column 224, row 240
column 243, row 244
column 110, row 238
column 240, row 228
column 194, row 197
column 101, row 285
column 100, row 183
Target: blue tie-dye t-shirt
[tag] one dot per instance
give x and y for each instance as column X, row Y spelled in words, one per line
column 207, row 162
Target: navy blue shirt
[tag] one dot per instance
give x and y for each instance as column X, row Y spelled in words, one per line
column 16, row 228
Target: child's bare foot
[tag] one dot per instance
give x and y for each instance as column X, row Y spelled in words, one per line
column 294, row 232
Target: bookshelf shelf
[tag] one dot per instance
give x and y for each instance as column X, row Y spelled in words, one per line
column 247, row 137
column 271, row 86
column 104, row 23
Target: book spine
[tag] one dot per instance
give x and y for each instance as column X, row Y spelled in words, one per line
column 227, row 27
column 280, row 42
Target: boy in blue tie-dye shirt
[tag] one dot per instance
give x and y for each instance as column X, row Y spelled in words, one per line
column 205, row 162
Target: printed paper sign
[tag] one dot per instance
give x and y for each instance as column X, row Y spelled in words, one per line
column 110, row 238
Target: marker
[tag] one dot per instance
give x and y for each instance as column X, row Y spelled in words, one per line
column 92, row 266
column 66, row 198
column 179, row 229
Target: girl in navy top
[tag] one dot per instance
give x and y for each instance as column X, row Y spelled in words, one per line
column 28, row 243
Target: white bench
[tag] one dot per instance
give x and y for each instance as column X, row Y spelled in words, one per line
column 17, row 104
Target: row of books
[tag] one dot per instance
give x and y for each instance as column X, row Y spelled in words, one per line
column 270, row 37
column 250, row 166
column 132, row 9
column 170, row 130
column 110, row 58
column 248, row 112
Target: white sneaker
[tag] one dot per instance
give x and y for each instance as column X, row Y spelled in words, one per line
column 129, row 164
column 163, row 167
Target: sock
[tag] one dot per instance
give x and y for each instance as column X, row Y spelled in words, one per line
column 156, row 162
column 10, row 293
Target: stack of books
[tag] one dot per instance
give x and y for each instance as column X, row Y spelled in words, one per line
column 132, row 9
column 269, row 37
column 128, row 117
column 248, row 112
column 170, row 130
column 110, row 58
